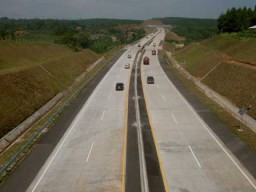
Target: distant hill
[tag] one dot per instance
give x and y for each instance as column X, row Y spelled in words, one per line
column 191, row 28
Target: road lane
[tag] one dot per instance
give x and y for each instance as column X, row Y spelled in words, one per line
column 193, row 158
column 89, row 156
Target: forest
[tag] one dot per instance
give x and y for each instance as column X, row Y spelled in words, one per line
column 192, row 29
column 236, row 20
column 96, row 34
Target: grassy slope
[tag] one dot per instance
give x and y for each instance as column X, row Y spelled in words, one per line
column 236, row 82
column 23, row 91
column 239, row 48
column 16, row 55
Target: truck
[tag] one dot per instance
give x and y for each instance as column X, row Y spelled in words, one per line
column 146, row 60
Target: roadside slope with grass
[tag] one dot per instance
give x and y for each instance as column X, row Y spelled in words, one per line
column 227, row 64
column 31, row 75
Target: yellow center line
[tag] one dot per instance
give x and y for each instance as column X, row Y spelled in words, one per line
column 154, row 135
column 125, row 134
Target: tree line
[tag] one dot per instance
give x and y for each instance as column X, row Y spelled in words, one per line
column 237, row 20
column 96, row 34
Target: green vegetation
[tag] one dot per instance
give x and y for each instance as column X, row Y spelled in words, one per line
column 231, row 62
column 234, row 45
column 236, row 83
column 31, row 75
column 192, row 29
column 247, row 135
column 99, row 35
column 81, row 85
column 237, row 20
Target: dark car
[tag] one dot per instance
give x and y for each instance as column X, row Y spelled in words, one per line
column 150, row 80
column 119, row 87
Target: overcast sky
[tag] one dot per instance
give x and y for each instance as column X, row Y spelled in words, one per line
column 123, row 9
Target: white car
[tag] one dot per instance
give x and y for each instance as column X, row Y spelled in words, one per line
column 127, row 66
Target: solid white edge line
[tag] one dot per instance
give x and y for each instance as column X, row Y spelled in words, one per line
column 88, row 156
column 208, row 130
column 198, row 163
column 58, row 149
column 174, row 118
column 72, row 126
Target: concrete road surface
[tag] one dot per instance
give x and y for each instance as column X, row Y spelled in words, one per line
column 89, row 157
column 193, row 159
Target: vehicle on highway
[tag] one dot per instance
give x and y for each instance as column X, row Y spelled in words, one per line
column 127, row 66
column 153, row 52
column 139, row 45
column 119, row 86
column 129, row 56
column 150, row 80
column 146, row 60
column 154, row 44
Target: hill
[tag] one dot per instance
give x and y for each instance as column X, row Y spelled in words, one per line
column 192, row 29
column 227, row 64
column 30, row 75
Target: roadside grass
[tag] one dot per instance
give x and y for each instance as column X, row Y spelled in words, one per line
column 215, row 59
column 235, row 82
column 198, row 59
column 19, row 143
column 238, row 47
column 247, row 135
column 24, row 92
column 172, row 37
column 38, row 37
column 15, row 55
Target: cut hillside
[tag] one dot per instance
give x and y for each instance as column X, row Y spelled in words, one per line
column 235, row 46
column 15, row 56
column 51, row 69
column 227, row 64
column 235, row 82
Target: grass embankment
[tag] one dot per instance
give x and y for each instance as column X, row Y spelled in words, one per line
column 30, row 75
column 226, row 63
column 70, row 97
column 247, row 135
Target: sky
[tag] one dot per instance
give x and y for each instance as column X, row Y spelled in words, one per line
column 121, row 9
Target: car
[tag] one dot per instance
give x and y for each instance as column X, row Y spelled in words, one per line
column 129, row 56
column 153, row 52
column 150, row 80
column 127, row 66
column 139, row 45
column 154, row 44
column 119, row 86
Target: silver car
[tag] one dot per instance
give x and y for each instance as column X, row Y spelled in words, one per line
column 127, row 66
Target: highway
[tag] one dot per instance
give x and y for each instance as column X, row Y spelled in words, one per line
column 182, row 153
column 90, row 155
column 192, row 158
